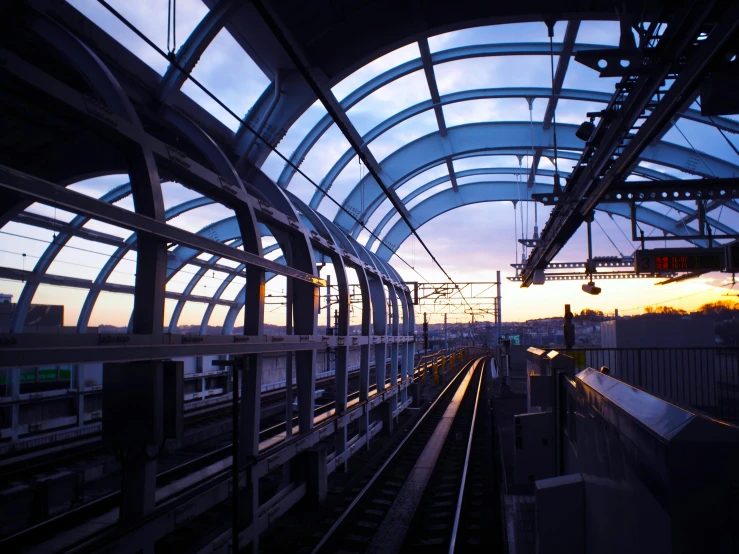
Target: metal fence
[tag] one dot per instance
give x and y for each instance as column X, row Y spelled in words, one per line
column 704, row 379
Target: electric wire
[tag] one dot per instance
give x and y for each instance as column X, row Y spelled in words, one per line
column 608, row 237
column 172, row 59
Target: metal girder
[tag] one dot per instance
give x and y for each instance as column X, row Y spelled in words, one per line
column 535, row 159
column 597, row 262
column 562, row 64
column 656, row 191
column 148, row 309
column 712, row 205
column 51, row 194
column 598, row 276
column 38, row 349
column 503, row 137
column 197, row 42
column 312, row 137
column 401, row 70
column 473, row 193
column 597, row 170
column 428, row 70
column 87, row 284
column 45, row 222
column 333, row 107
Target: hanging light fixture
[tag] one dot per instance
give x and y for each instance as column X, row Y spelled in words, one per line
column 585, row 131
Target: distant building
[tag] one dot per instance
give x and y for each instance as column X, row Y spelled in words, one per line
column 657, row 331
column 40, row 317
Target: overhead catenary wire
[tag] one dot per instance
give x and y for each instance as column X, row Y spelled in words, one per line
column 608, row 237
column 360, row 149
column 172, row 59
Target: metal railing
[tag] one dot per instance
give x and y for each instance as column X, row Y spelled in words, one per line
column 704, row 379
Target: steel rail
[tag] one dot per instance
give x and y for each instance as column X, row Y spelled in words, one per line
column 460, row 499
column 105, row 503
column 360, row 495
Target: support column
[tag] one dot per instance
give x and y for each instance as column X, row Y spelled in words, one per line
column 15, row 390
column 79, row 384
column 386, row 410
column 133, row 422
column 380, row 374
column 342, row 391
column 310, row 466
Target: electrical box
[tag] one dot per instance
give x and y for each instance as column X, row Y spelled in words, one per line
column 539, row 393
column 133, row 402
column 174, row 399
column 533, row 459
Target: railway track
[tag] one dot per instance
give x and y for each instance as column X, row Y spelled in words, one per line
column 37, row 534
column 426, row 494
column 65, row 453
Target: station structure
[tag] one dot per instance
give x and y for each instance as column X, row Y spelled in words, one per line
column 134, row 181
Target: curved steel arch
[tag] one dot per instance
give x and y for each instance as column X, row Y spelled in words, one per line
column 479, row 138
column 52, row 251
column 411, row 66
column 641, row 171
column 454, row 54
column 144, row 183
column 477, row 193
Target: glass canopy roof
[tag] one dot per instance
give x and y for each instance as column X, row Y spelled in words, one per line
column 454, row 120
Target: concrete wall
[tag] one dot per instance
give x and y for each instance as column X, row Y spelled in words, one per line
column 656, row 332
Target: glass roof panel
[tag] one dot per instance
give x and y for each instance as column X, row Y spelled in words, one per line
column 175, row 194
column 231, row 75
column 375, row 68
column 98, row 186
column 607, row 33
column 150, row 18
column 81, row 258
column 389, row 100
column 497, row 34
column 494, row 72
column 504, row 109
column 422, row 178
column 404, row 133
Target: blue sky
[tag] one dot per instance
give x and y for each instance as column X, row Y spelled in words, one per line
column 471, row 242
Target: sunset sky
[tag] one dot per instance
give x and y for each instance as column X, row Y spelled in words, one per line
column 471, row 242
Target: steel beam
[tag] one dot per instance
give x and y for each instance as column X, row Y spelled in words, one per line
column 562, row 64
column 597, row 172
column 472, row 193
column 658, row 191
column 479, row 139
column 51, row 194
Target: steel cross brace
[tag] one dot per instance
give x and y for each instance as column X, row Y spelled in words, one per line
column 658, row 191
column 49, row 193
column 598, row 170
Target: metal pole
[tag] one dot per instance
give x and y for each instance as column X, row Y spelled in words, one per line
column 235, row 458
column 328, row 302
column 446, row 335
column 498, row 321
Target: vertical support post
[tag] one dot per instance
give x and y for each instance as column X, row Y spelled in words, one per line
column 235, row 512
column 15, row 390
column 328, row 304
column 288, row 365
column 79, row 383
column 498, row 321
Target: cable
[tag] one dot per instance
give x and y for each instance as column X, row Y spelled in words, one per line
column 608, row 237
column 533, row 177
column 666, row 301
column 554, row 111
column 731, row 144
column 248, row 127
column 697, row 153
